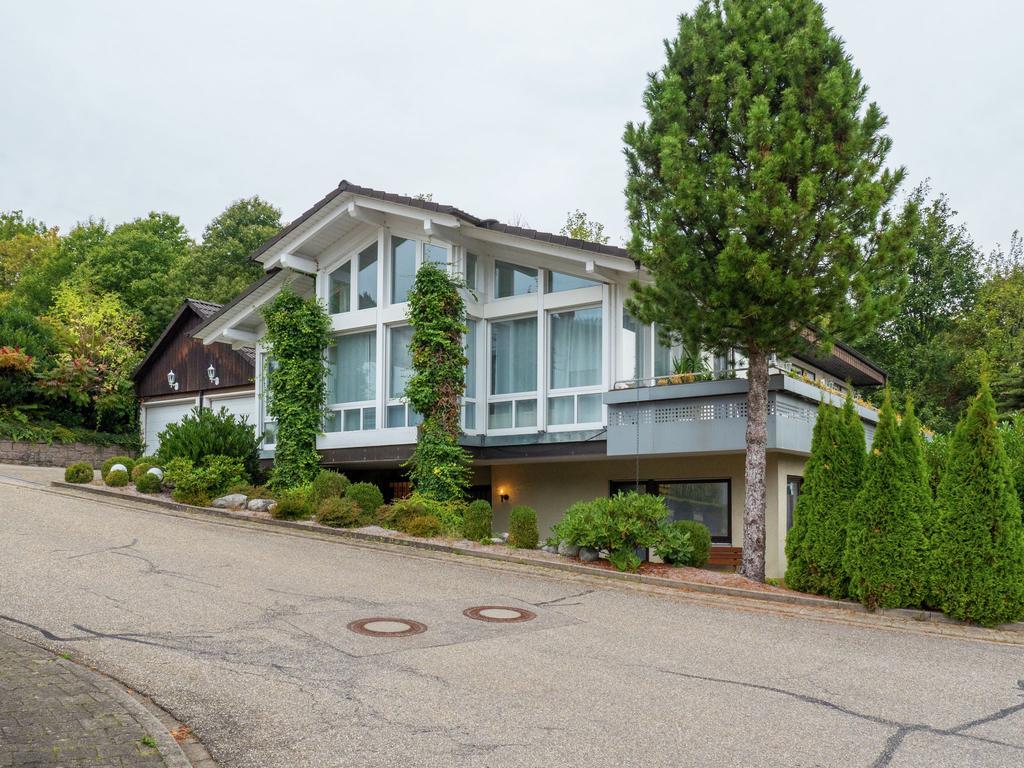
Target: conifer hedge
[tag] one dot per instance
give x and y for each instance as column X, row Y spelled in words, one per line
column 978, row 544
column 885, row 555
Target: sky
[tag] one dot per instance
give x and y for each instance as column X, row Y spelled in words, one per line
column 506, row 110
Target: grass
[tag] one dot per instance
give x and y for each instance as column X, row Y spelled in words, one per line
column 148, row 741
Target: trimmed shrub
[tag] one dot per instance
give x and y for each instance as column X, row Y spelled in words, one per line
column 197, row 485
column 367, row 496
column 128, row 462
column 79, row 472
column 816, row 543
column 426, row 526
column 176, row 469
column 142, row 466
column 477, row 520
column 117, row 478
column 522, row 528
column 978, row 543
column 147, row 483
column 885, row 556
column 700, row 541
column 672, row 543
column 295, row 504
column 619, row 525
column 338, row 512
column 203, row 433
column 397, row 515
column 329, row 485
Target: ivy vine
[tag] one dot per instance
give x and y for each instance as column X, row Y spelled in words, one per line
column 439, row 467
column 298, row 330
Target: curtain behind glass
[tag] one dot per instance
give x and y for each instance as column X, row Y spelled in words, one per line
column 356, row 368
column 576, row 348
column 514, row 356
column 399, row 361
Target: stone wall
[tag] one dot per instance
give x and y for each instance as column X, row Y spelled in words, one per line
column 56, row 454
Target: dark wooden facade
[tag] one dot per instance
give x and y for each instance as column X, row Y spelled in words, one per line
column 189, row 358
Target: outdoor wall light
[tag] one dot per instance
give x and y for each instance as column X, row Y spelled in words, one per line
column 171, row 381
column 503, row 494
column 211, row 372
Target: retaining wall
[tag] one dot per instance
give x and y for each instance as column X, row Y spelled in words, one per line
column 56, row 454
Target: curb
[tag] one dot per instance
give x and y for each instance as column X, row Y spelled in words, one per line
column 807, row 601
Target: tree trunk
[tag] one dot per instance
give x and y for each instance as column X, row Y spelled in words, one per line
column 755, row 502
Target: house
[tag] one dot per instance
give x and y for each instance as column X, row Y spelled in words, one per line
column 568, row 397
column 180, row 372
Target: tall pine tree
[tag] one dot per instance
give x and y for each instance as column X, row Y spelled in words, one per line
column 885, row 544
column 978, row 543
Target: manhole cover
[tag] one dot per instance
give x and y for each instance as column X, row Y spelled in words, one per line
column 387, row 626
column 499, row 613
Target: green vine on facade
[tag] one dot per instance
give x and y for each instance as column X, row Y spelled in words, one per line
column 298, row 330
column 439, row 467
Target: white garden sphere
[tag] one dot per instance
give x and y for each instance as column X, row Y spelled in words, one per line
column 117, row 467
column 156, row 471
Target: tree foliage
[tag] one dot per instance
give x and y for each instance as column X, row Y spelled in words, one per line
column 298, row 330
column 978, row 543
column 439, row 466
column 577, row 225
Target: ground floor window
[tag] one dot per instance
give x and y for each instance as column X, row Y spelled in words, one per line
column 705, row 501
column 794, row 485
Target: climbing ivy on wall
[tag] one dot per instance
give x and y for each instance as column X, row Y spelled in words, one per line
column 298, row 330
column 439, row 467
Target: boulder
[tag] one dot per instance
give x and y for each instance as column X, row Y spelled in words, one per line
column 588, row 555
column 549, row 548
column 567, row 549
column 231, row 501
column 260, row 505
column 497, row 540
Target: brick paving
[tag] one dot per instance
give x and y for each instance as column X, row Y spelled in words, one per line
column 55, row 713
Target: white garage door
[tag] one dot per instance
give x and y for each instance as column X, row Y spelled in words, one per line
column 243, row 405
column 156, row 417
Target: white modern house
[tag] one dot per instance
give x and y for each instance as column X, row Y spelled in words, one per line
column 568, row 397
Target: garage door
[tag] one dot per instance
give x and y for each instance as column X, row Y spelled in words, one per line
column 243, row 405
column 156, row 417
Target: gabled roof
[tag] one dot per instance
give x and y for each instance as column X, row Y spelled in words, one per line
column 451, row 210
column 220, row 310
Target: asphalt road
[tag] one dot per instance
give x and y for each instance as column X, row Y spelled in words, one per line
column 241, row 633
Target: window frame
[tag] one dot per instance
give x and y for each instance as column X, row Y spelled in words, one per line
column 410, row 418
column 575, row 393
column 650, row 486
column 342, row 407
column 351, row 258
column 513, row 397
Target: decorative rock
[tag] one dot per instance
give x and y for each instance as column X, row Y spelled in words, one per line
column 549, row 548
column 116, row 467
column 497, row 540
column 156, row 471
column 260, row 505
column 504, row 537
column 377, row 530
column 588, row 555
column 231, row 501
column 568, row 550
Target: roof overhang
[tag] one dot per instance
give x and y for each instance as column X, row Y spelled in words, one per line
column 238, row 323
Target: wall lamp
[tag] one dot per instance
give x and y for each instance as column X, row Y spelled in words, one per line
column 503, row 494
column 211, row 374
column 171, row 382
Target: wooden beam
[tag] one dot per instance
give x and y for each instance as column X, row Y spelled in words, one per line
column 366, row 215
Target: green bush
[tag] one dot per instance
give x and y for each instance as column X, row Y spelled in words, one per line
column 117, row 478
column 522, row 528
column 978, row 545
column 339, row 512
column 329, row 485
column 128, row 462
column 397, row 515
column 673, row 545
column 203, row 433
column 79, row 472
column 477, row 520
column 619, row 525
column 816, row 543
column 142, row 466
column 367, row 496
column 700, row 541
column 885, row 556
column 147, row 483
column 198, row 484
column 425, row 526
column 175, row 469
column 295, row 504
column 625, row 559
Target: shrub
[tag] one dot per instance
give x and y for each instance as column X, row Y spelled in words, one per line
column 176, row 469
column 885, row 544
column 978, row 544
column 203, row 433
column 329, row 485
column 700, row 541
column 620, row 524
column 142, row 466
column 197, row 485
column 426, row 526
column 339, row 512
column 128, row 462
column 579, row 525
column 79, row 472
column 295, row 504
column 147, row 483
column 397, row 515
column 367, row 496
column 522, row 528
column 672, row 543
column 477, row 520
column 625, row 559
column 117, row 478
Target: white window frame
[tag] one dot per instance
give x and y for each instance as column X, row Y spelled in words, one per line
column 575, row 392
column 362, row 405
column 351, row 258
column 535, row 394
column 420, row 241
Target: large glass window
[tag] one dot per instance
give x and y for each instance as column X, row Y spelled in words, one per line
column 706, row 501
column 513, row 280
column 399, row 360
column 469, row 398
column 557, row 281
column 435, row 254
column 576, row 348
column 514, row 356
column 636, row 343
column 340, row 289
column 471, row 267
column 403, row 268
column 665, row 356
column 366, row 281
column 355, row 368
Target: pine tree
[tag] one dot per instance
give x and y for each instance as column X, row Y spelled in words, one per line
column 885, row 544
column 978, row 543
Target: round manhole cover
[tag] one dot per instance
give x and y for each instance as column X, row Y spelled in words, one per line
column 499, row 613
column 387, row 626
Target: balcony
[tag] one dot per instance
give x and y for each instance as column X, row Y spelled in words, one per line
column 649, row 417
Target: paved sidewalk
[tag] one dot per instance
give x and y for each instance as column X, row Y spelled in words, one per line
column 56, row 713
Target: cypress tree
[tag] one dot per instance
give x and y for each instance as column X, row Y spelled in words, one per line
column 919, row 473
column 855, row 446
column 978, row 543
column 885, row 545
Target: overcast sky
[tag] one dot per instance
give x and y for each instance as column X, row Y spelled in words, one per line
column 113, row 109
